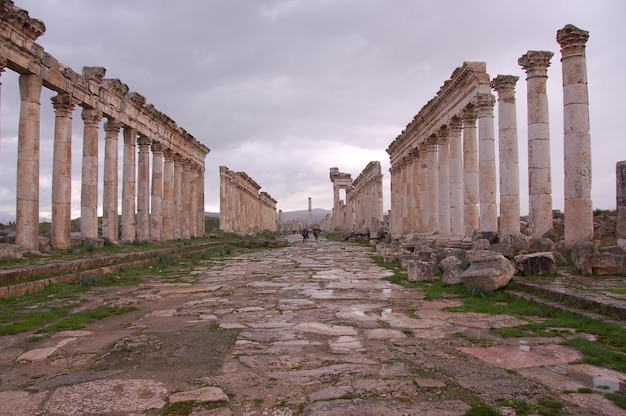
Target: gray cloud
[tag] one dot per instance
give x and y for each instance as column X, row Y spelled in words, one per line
column 284, row 90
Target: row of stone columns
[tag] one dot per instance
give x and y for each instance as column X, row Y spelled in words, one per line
column 451, row 174
column 243, row 209
column 146, row 215
column 170, row 218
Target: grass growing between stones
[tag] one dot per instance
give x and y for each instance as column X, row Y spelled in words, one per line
column 607, row 350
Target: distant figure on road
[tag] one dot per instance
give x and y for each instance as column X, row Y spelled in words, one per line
column 316, row 233
column 305, row 235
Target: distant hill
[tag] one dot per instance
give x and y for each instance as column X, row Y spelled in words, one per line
column 317, row 214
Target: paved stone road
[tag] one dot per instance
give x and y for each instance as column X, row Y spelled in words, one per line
column 307, row 329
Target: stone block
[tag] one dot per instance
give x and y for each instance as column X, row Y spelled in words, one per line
column 518, row 241
column 480, row 244
column 9, row 251
column 541, row 245
column 580, row 251
column 488, row 271
column 421, row 271
column 451, row 269
column 503, row 248
column 536, row 263
column 604, row 264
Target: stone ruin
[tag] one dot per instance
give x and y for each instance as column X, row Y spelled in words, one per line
column 171, row 208
column 362, row 213
column 243, row 209
column 443, row 178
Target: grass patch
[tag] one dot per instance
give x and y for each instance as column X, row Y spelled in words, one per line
column 81, row 319
column 598, row 354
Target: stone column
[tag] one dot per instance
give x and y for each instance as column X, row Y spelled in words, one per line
column 3, row 64
column 470, row 172
column 186, row 199
column 409, row 200
column 310, row 213
column 577, row 141
column 620, row 231
column 27, row 191
column 508, row 154
column 60, row 233
column 443, row 165
column 433, row 185
column 193, row 200
column 457, row 227
column 110, row 221
column 156, row 194
column 536, row 64
column 167, row 233
column 393, row 216
column 178, row 195
column 201, row 228
column 416, row 193
column 423, row 183
column 89, row 179
column 129, row 225
column 487, row 183
column 143, row 189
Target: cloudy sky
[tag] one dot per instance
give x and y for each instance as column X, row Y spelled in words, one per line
column 286, row 89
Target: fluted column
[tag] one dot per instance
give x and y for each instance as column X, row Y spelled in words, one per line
column 443, row 179
column 60, row 232
column 89, row 179
column 143, row 189
column 470, row 172
column 487, row 183
column 186, row 198
column 457, row 228
column 536, row 64
column 129, row 224
column 393, row 220
column 423, row 183
column 508, row 154
column 178, row 196
column 577, row 141
column 410, row 194
column 110, row 221
column 27, row 191
column 156, row 194
column 416, row 208
column 167, row 232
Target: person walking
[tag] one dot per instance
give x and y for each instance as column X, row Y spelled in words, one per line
column 305, row 235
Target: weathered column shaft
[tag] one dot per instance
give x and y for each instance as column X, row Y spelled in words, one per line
column 89, row 177
column 536, row 63
column 129, row 174
column 577, row 140
column 470, row 172
column 60, row 232
column 156, row 194
column 143, row 190
column 186, row 198
column 487, row 183
column 27, row 191
column 457, row 228
column 443, row 164
column 167, row 232
column 201, row 227
column 508, row 154
column 178, row 195
column 620, row 231
column 193, row 205
column 110, row 221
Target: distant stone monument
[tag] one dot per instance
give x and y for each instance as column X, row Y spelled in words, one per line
column 621, row 203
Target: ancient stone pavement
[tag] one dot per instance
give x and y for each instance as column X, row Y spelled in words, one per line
column 307, row 329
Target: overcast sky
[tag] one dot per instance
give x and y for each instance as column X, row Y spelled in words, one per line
column 286, row 89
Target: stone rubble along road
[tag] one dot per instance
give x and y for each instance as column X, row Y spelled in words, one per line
column 310, row 329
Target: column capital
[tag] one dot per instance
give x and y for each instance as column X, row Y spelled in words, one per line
column 504, row 85
column 112, row 126
column 91, row 116
column 168, row 154
column 443, row 136
column 143, row 141
column 469, row 116
column 485, row 104
column 63, row 104
column 157, row 147
column 535, row 63
column 431, row 143
column 572, row 40
column 455, row 125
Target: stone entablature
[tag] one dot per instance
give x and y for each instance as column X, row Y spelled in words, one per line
column 341, row 216
column 243, row 209
column 143, row 125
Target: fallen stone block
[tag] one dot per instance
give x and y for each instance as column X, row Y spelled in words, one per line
column 488, row 271
column 451, row 269
column 604, row 264
column 536, row 263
